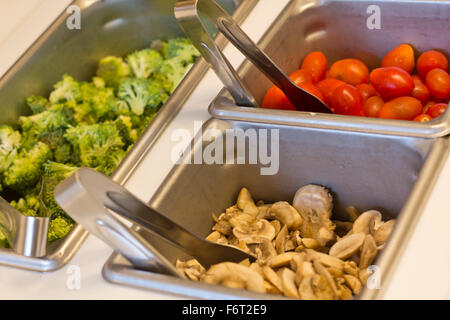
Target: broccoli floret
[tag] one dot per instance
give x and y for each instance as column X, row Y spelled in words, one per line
column 112, row 70
column 59, row 227
column 4, row 243
column 68, row 89
column 111, row 161
column 95, row 142
column 144, row 62
column 54, row 174
column 145, row 122
column 29, row 206
column 26, row 168
column 97, row 103
column 98, row 82
column 135, row 92
column 9, row 144
column 37, row 104
column 140, row 93
column 170, row 74
column 182, row 50
column 125, row 126
column 48, row 127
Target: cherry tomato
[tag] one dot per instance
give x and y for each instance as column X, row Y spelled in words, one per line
column 372, row 106
column 392, row 82
column 402, row 108
column 327, row 87
column 427, row 106
column 300, row 75
column 423, row 118
column 308, row 86
column 438, row 81
column 366, row 90
column 430, row 60
column 436, row 110
column 352, row 71
column 347, row 100
column 420, row 90
column 401, row 57
column 276, row 99
column 316, row 64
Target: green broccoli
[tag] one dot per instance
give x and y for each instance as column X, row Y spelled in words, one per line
column 59, row 227
column 68, row 89
column 182, row 50
column 94, row 143
column 4, row 243
column 140, row 93
column 112, row 70
column 29, row 206
column 125, row 126
column 97, row 103
column 9, row 144
column 37, row 104
column 144, row 62
column 170, row 74
column 26, row 168
column 111, row 161
column 48, row 127
column 54, row 174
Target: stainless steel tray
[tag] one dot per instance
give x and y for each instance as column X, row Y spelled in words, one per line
column 107, row 28
column 338, row 28
column 362, row 169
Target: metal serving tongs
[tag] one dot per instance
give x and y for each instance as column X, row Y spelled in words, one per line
column 188, row 14
column 104, row 208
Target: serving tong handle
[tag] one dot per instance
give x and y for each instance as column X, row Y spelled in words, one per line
column 104, row 208
column 188, row 14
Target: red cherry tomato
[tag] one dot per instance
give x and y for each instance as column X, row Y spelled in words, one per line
column 308, row 86
column 366, row 90
column 347, row 100
column 300, row 75
column 352, row 71
column 402, row 108
column 438, row 81
column 316, row 64
column 423, row 118
column 276, row 99
column 392, row 82
column 430, row 60
column 372, row 106
column 427, row 106
column 420, row 90
column 436, row 110
column 401, row 57
column 327, row 87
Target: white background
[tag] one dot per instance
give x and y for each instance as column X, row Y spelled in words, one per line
column 424, row 272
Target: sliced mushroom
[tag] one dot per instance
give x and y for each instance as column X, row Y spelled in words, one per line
column 347, row 246
column 240, row 219
column 271, row 288
column 286, row 213
column 363, row 275
column 314, row 204
column 362, row 224
column 277, row 225
column 353, row 282
column 257, row 268
column 245, row 202
column 224, row 227
column 383, row 232
column 281, row 239
column 342, row 227
column 315, row 287
column 320, row 269
column 228, row 272
column 213, row 236
column 351, row 268
column 345, row 292
column 287, row 277
column 368, row 252
column 272, row 277
column 306, row 290
column 310, row 243
column 282, row 259
column 326, row 259
column 255, row 232
column 265, row 251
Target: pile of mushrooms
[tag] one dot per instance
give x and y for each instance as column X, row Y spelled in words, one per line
column 301, row 253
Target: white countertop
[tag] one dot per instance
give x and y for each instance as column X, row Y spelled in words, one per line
column 424, row 272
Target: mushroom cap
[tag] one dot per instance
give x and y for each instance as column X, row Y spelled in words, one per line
column 255, row 232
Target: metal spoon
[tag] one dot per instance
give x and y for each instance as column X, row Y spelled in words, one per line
column 89, row 197
column 187, row 13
